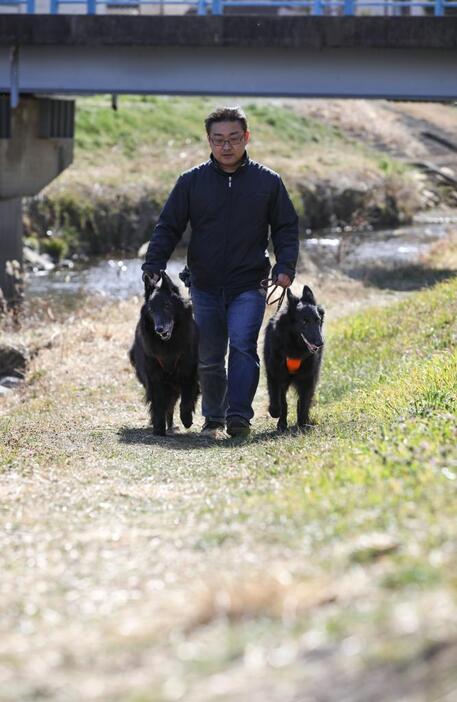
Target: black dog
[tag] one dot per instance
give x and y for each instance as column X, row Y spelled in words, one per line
column 293, row 355
column 165, row 353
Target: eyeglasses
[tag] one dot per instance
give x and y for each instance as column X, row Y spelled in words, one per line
column 233, row 140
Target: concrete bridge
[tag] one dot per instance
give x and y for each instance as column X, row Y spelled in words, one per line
column 64, row 56
column 370, row 57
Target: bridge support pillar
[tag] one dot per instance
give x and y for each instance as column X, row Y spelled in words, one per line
column 36, row 144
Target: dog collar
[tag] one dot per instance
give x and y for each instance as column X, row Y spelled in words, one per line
column 293, row 364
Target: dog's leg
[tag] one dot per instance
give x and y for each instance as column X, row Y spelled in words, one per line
column 189, row 394
column 274, row 394
column 148, row 395
column 305, row 397
column 282, row 421
column 171, row 402
column 157, row 411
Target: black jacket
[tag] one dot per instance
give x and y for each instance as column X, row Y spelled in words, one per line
column 229, row 214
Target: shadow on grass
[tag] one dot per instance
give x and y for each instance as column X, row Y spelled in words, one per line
column 402, row 278
column 186, row 441
column 173, row 440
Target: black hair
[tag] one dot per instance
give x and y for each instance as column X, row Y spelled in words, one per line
column 226, row 114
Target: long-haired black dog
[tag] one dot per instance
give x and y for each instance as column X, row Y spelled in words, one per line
column 293, row 354
column 165, row 353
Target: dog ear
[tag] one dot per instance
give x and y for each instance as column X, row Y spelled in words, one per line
column 149, row 282
column 291, row 298
column 307, row 296
column 167, row 283
column 165, row 280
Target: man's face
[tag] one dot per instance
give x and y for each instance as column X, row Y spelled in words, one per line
column 228, row 142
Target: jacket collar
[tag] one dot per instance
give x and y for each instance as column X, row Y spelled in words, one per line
column 220, row 170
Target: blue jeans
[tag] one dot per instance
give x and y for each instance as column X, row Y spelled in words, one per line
column 237, row 321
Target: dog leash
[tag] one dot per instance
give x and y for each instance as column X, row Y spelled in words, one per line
column 267, row 283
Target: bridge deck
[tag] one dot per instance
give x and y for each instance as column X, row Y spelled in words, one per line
column 401, row 57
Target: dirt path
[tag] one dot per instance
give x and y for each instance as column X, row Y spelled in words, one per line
column 121, row 572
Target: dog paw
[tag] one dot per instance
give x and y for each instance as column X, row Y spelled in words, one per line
column 186, row 419
column 159, row 431
column 273, row 410
column 282, row 426
column 303, row 427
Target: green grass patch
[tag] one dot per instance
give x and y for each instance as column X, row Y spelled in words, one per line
column 139, row 122
column 174, row 121
column 383, row 456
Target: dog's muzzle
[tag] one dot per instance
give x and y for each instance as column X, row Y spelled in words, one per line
column 164, row 335
column 312, row 348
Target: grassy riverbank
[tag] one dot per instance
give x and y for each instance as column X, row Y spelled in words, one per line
column 317, row 566
column 344, row 163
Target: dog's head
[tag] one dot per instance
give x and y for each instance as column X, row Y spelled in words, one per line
column 306, row 318
column 161, row 304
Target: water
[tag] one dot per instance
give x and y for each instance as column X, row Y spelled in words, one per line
column 389, row 248
column 348, row 251
column 114, row 279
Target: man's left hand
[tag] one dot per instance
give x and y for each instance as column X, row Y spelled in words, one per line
column 283, row 280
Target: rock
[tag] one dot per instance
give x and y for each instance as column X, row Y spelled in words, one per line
column 36, row 260
column 448, row 171
column 142, row 250
column 13, row 361
column 66, row 263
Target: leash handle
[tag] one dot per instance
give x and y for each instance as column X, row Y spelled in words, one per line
column 267, row 283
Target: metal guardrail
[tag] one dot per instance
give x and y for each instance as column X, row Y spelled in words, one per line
column 217, row 7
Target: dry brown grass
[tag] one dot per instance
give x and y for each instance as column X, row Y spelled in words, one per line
column 443, row 254
column 442, row 116
column 372, row 121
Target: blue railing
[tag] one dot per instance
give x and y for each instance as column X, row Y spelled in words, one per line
column 28, row 5
column 91, row 5
column 216, row 7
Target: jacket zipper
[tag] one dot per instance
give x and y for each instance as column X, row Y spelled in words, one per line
column 227, row 230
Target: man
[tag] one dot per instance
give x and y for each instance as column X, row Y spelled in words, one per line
column 230, row 202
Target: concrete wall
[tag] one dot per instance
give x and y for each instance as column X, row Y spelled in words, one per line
column 27, row 162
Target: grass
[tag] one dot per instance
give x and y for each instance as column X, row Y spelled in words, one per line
column 140, row 121
column 178, row 122
column 149, row 140
column 137, row 568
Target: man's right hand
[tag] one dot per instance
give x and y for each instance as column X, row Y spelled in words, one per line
column 283, row 280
